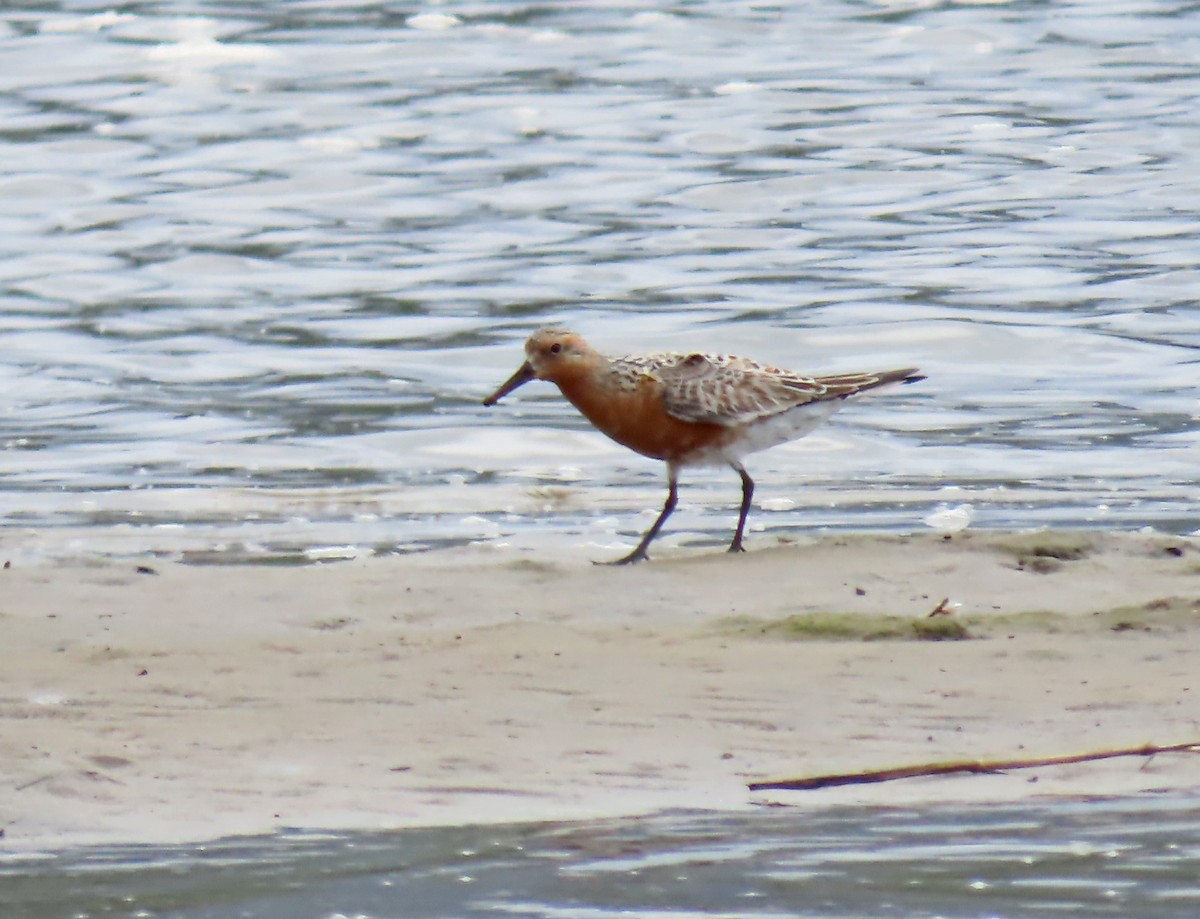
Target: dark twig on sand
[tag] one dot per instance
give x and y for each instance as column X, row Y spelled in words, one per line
column 969, row 766
column 942, row 609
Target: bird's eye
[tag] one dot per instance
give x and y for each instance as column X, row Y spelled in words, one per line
column 556, row 348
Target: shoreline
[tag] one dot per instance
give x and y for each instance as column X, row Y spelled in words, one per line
column 472, row 686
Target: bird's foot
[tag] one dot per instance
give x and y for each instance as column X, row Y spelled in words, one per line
column 736, row 546
column 637, row 555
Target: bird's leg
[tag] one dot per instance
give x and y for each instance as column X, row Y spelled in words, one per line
column 747, row 495
column 639, row 554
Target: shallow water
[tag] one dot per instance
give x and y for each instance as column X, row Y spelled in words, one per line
column 261, row 261
column 1121, row 858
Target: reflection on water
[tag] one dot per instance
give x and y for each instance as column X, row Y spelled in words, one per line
column 1120, row 858
column 253, row 254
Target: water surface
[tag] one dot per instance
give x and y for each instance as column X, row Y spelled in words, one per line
column 1119, row 858
column 260, row 262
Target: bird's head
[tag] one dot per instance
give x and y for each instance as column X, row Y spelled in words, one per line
column 550, row 354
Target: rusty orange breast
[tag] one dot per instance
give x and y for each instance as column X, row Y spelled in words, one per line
column 636, row 418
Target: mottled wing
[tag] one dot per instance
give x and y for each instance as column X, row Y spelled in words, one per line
column 719, row 389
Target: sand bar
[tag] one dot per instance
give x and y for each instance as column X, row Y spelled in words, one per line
column 481, row 685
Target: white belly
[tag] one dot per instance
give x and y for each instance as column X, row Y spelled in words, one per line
column 769, row 432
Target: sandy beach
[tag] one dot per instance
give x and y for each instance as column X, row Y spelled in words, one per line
column 184, row 702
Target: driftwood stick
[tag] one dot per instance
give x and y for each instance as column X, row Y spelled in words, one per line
column 970, row 766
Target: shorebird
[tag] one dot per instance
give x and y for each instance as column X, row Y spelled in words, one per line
column 688, row 409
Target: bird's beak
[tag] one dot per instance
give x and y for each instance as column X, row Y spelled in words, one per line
column 523, row 375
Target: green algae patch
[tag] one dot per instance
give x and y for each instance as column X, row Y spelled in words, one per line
column 1164, row 615
column 833, row 626
column 940, row 628
column 1046, row 552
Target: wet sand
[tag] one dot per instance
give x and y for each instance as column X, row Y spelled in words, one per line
column 192, row 702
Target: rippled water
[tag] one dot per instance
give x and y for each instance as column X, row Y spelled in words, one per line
column 1120, row 858
column 260, row 262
